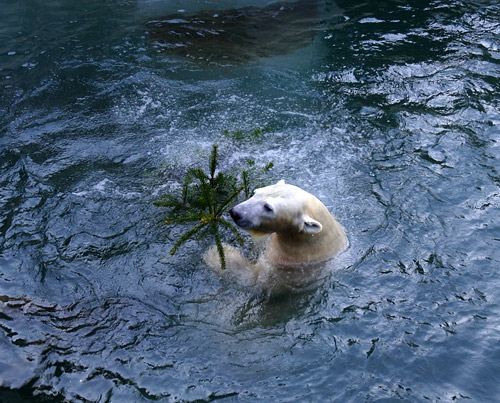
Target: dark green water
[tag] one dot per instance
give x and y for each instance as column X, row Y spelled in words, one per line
column 389, row 113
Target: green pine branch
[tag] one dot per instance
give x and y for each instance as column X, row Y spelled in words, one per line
column 205, row 198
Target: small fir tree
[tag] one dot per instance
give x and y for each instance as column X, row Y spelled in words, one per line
column 205, row 198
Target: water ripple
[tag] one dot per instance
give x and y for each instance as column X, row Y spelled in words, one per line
column 390, row 116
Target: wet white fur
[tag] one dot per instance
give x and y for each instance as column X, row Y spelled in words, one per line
column 295, row 231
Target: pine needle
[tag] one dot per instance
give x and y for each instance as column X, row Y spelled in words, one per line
column 234, row 230
column 230, row 199
column 205, row 199
column 220, row 247
column 185, row 237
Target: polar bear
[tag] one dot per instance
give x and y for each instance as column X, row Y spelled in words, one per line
column 295, row 229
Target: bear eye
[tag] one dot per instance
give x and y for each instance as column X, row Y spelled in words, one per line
column 268, row 208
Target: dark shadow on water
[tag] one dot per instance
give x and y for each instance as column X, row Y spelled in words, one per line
column 29, row 394
column 237, row 36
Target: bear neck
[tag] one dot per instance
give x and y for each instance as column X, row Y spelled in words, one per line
column 298, row 248
column 295, row 249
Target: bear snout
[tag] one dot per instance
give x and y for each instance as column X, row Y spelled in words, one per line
column 235, row 215
column 239, row 219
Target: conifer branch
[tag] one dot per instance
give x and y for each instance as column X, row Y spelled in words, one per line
column 230, row 199
column 204, row 199
column 234, row 230
column 220, row 247
column 185, row 237
column 187, row 218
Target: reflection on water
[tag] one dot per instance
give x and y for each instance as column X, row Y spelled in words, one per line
column 392, row 122
column 238, row 35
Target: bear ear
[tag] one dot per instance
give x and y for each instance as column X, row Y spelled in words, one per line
column 281, row 182
column 311, row 226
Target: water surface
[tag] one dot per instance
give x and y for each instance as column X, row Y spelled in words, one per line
column 389, row 113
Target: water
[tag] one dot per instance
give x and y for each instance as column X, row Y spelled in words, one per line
column 390, row 115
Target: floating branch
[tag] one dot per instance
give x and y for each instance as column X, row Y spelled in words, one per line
column 205, row 198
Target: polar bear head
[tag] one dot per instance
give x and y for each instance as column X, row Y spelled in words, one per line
column 279, row 208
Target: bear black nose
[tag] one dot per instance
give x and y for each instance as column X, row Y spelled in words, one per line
column 234, row 215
